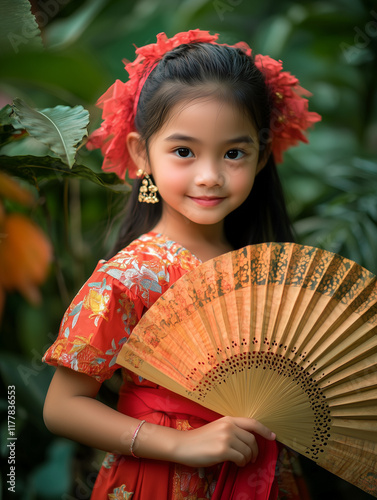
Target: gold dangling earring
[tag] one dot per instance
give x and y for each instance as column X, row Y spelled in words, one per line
column 147, row 191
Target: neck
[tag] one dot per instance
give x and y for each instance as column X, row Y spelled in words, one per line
column 204, row 241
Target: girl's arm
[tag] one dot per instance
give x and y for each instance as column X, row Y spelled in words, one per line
column 72, row 411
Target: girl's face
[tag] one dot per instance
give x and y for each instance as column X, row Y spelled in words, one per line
column 204, row 161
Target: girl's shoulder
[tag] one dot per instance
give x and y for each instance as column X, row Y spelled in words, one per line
column 111, row 302
column 146, row 268
column 151, row 251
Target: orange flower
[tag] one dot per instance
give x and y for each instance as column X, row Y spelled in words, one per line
column 25, row 255
column 2, row 214
column 10, row 189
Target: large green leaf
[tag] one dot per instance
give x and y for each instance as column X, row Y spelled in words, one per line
column 344, row 219
column 18, row 27
column 61, row 128
column 10, row 128
column 6, row 117
column 37, row 169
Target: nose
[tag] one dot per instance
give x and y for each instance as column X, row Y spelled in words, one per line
column 210, row 174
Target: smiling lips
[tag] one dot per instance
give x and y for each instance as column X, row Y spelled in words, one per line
column 207, row 201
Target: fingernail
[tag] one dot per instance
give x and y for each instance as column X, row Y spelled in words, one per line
column 273, row 435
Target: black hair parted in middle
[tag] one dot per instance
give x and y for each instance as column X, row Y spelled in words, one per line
column 200, row 70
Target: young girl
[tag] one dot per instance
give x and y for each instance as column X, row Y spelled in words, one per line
column 202, row 124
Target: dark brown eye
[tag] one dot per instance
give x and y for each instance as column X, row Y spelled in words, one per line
column 183, row 152
column 234, row 154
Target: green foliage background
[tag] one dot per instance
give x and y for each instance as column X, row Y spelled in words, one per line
column 330, row 184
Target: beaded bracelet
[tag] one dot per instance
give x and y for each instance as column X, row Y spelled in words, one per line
column 134, row 438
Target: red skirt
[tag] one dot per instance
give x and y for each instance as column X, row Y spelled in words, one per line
column 124, row 477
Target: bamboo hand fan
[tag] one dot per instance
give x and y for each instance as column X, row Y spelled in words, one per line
column 282, row 333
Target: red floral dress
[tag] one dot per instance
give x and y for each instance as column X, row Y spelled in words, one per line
column 96, row 325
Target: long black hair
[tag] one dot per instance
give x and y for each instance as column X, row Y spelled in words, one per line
column 199, row 70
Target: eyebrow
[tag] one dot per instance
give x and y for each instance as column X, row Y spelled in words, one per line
column 181, row 137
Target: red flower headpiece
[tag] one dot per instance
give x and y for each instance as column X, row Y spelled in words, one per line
column 289, row 118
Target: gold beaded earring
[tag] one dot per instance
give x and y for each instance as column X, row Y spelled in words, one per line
column 147, row 191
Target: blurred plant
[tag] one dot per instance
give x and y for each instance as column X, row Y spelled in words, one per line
column 25, row 252
column 344, row 219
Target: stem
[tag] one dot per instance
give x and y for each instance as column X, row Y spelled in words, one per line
column 63, row 290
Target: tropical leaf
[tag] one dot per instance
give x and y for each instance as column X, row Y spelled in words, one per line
column 345, row 219
column 61, row 128
column 18, row 27
column 6, row 117
column 10, row 128
column 35, row 169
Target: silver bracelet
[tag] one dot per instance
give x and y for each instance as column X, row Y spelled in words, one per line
column 134, row 438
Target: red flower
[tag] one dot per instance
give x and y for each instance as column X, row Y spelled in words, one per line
column 119, row 102
column 290, row 116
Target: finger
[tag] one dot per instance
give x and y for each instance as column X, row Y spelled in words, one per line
column 242, row 454
column 247, row 438
column 252, row 425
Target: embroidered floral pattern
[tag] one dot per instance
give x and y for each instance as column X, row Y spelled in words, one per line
column 109, row 460
column 121, row 494
column 105, row 311
column 194, row 484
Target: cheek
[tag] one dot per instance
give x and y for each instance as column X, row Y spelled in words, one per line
column 242, row 183
column 172, row 179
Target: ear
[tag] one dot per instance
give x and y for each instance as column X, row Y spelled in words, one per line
column 263, row 159
column 138, row 152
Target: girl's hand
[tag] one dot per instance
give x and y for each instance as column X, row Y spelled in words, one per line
column 72, row 411
column 227, row 439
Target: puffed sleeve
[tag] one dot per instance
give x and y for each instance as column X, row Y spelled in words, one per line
column 95, row 326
